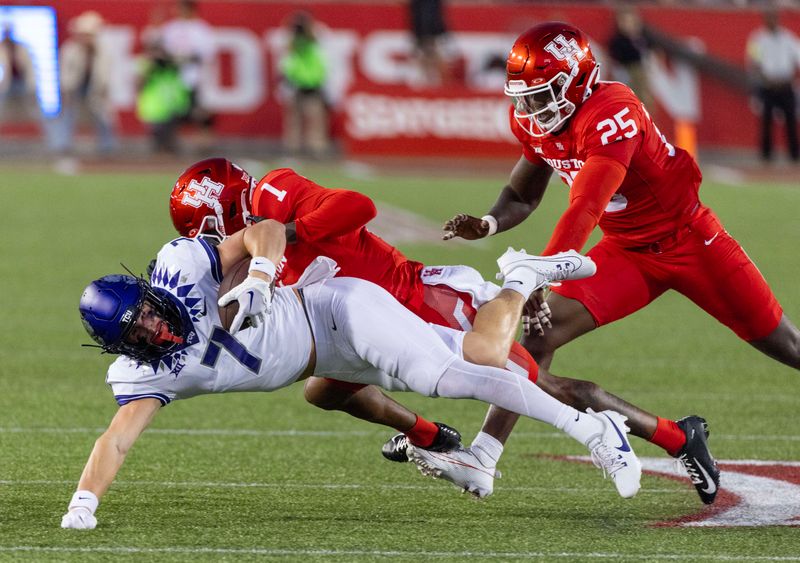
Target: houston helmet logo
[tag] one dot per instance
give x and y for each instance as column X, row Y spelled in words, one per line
column 565, row 50
column 205, row 192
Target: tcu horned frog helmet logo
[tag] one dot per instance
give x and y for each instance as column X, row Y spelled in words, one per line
column 550, row 72
column 211, row 198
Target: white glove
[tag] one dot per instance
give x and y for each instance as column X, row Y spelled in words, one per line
column 79, row 518
column 255, row 302
column 81, row 511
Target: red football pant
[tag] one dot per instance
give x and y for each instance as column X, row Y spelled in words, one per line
column 705, row 264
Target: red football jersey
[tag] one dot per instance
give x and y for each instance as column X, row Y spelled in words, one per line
column 662, row 181
column 330, row 222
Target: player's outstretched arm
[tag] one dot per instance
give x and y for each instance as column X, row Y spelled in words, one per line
column 105, row 460
column 522, row 195
column 518, row 199
column 592, row 190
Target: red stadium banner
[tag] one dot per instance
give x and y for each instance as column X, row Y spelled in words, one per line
column 437, row 122
column 370, row 48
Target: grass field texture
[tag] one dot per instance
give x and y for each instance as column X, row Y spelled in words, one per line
column 266, row 476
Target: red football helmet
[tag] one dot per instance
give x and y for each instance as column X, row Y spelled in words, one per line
column 211, row 198
column 550, row 71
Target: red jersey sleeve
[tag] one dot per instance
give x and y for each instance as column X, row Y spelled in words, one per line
column 589, row 195
column 524, row 139
column 318, row 212
column 335, row 212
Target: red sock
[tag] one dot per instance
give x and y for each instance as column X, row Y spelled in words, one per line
column 423, row 433
column 669, row 436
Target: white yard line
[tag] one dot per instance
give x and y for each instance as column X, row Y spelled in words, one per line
column 336, row 433
column 431, row 487
column 193, row 431
column 389, row 553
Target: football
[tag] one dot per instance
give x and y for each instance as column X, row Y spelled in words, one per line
column 234, row 277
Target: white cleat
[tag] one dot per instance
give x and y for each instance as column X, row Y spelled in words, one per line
column 612, row 452
column 569, row 265
column 460, row 466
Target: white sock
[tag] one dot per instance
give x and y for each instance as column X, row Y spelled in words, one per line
column 503, row 388
column 507, row 390
column 522, row 280
column 580, row 425
column 487, row 449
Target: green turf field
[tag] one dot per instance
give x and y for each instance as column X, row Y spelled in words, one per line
column 264, row 476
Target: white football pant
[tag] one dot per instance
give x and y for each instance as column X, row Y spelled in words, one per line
column 363, row 335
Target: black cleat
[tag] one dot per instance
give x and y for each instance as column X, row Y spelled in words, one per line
column 396, row 447
column 696, row 458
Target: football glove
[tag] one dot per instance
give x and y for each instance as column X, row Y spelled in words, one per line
column 79, row 518
column 255, row 302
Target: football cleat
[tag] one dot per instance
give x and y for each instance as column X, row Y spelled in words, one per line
column 563, row 266
column 395, row 448
column 696, row 458
column 447, row 438
column 460, row 466
column 612, row 452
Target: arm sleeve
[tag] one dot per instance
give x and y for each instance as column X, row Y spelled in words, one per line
column 590, row 193
column 334, row 213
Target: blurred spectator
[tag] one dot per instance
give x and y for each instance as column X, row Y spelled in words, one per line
column 304, row 69
column 429, row 30
column 86, row 66
column 152, row 33
column 492, row 77
column 17, row 81
column 773, row 54
column 188, row 40
column 163, row 99
column 629, row 48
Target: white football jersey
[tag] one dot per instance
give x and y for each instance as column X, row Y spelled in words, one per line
column 212, row 360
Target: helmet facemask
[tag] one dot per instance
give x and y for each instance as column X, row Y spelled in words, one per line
column 161, row 343
column 246, row 195
column 168, row 339
column 211, row 226
column 542, row 109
